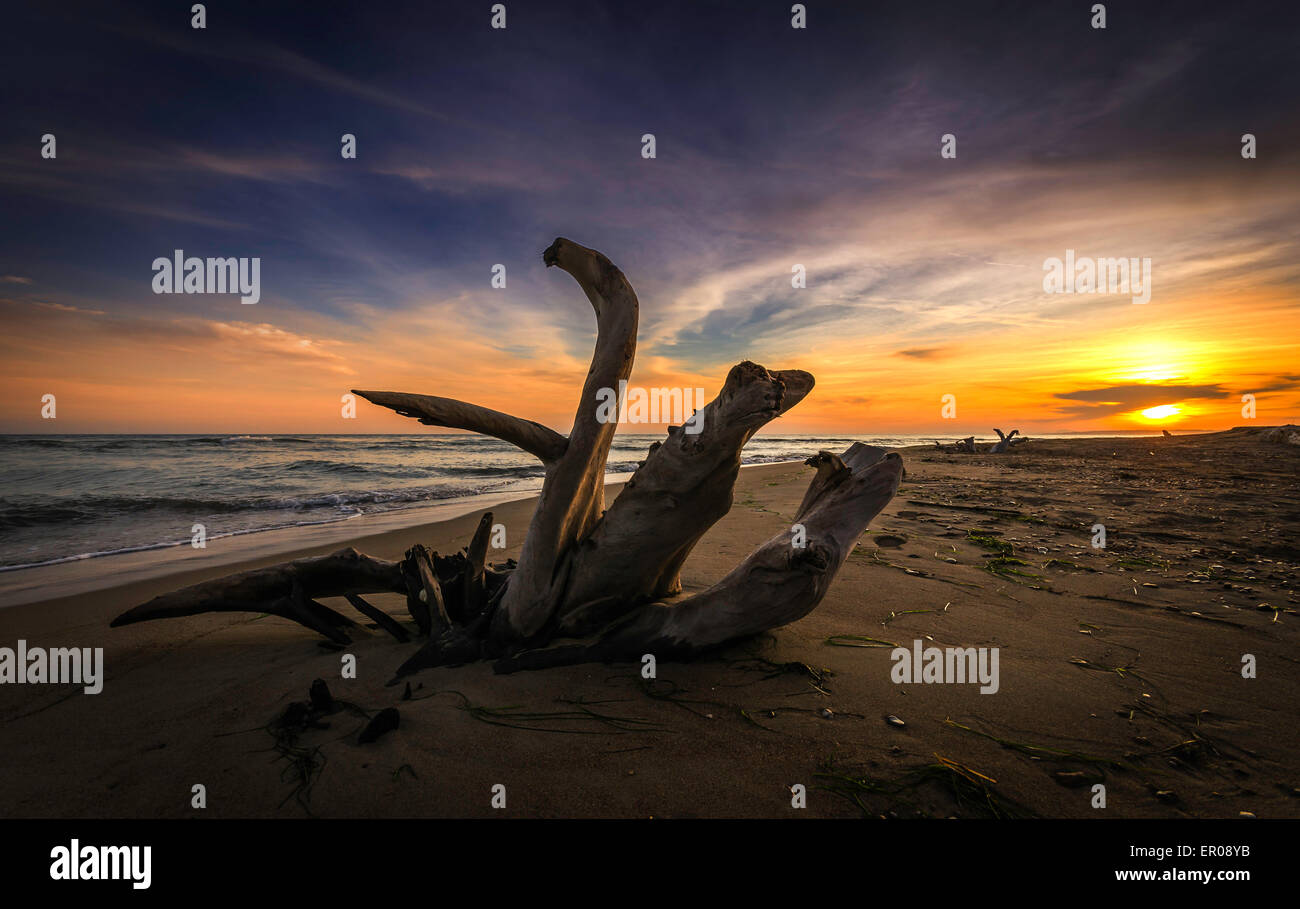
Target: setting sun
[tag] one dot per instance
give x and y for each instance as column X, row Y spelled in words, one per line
column 1161, row 412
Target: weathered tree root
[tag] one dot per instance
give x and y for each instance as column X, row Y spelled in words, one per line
column 602, row 580
column 778, row 584
column 284, row 590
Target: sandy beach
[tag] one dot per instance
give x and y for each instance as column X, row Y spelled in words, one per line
column 1120, row 666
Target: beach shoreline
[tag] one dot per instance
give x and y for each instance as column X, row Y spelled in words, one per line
column 87, row 572
column 1119, row 666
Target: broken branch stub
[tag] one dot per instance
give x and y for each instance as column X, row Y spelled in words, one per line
column 683, row 488
column 286, row 590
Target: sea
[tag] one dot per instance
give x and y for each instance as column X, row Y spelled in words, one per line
column 67, row 498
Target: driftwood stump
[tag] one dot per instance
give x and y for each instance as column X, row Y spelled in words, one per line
column 1006, row 441
column 591, row 583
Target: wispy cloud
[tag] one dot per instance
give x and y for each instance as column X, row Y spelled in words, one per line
column 1125, row 398
column 476, row 148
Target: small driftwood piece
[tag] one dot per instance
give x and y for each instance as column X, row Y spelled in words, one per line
column 1005, row 443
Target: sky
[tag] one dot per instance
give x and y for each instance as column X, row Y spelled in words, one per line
column 774, row 147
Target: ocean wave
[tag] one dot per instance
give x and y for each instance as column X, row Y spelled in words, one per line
column 47, row 512
column 344, row 467
column 777, row 458
column 111, row 443
column 72, row 497
column 505, row 471
column 65, row 511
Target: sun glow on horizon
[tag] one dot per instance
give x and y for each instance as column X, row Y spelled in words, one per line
column 1154, row 374
column 1162, row 412
column 1155, row 360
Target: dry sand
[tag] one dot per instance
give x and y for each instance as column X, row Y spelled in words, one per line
column 1121, row 665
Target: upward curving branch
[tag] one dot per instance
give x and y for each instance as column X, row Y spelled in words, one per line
column 573, row 494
